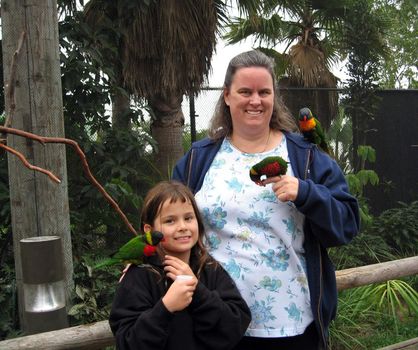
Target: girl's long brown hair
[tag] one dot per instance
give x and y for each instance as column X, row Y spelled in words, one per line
column 175, row 191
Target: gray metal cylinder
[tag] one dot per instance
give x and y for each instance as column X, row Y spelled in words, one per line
column 43, row 284
column 42, row 259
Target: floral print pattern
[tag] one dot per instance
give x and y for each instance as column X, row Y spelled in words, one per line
column 258, row 240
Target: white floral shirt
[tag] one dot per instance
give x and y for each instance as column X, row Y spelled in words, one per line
column 258, row 240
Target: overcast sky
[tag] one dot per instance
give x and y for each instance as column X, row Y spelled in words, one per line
column 224, row 53
column 221, row 58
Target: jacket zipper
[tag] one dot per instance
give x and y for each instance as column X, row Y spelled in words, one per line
column 320, row 268
column 319, row 299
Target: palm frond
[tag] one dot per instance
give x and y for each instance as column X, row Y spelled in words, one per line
column 168, row 49
column 281, row 60
column 269, row 30
column 308, row 66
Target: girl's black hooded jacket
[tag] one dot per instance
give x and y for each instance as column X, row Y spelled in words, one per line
column 216, row 319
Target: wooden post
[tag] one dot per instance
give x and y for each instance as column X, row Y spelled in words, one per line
column 39, row 207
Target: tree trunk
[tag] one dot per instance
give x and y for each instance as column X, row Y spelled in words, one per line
column 167, row 131
column 121, row 111
column 121, row 107
column 39, row 207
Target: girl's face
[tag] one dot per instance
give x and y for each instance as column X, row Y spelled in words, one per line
column 178, row 222
column 250, row 99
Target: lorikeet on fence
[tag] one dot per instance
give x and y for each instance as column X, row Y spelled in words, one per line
column 312, row 130
column 134, row 251
column 269, row 166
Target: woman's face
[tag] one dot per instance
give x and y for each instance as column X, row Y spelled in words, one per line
column 250, row 99
column 178, row 222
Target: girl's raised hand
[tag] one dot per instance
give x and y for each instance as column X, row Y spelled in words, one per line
column 179, row 295
column 175, row 267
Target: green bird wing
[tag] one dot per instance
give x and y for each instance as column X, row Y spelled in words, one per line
column 269, row 166
column 132, row 250
column 320, row 137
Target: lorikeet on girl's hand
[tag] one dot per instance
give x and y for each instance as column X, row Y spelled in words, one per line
column 134, row 251
column 269, row 167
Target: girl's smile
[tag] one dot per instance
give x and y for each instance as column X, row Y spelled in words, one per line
column 178, row 222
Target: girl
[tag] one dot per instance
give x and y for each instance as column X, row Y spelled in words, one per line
column 153, row 309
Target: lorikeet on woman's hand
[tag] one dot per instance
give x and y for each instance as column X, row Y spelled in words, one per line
column 312, row 130
column 269, row 167
column 134, row 251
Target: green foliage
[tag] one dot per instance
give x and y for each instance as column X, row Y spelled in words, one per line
column 365, row 30
column 307, row 32
column 93, row 293
column 358, row 180
column 9, row 318
column 395, row 298
column 383, row 335
column 349, row 323
column 187, row 137
column 364, row 249
column 120, row 162
column 399, row 228
column 340, row 135
column 400, row 67
column 360, row 326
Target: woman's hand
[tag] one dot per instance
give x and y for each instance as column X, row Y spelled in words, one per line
column 285, row 187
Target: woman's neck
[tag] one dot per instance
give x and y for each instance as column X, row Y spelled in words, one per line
column 256, row 144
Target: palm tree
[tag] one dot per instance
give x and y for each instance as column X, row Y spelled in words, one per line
column 158, row 51
column 308, row 32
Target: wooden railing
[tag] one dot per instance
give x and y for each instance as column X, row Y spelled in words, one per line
column 98, row 335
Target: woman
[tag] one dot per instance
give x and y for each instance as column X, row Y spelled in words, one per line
column 272, row 239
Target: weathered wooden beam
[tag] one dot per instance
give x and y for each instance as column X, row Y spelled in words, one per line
column 411, row 344
column 86, row 337
column 369, row 274
column 98, row 335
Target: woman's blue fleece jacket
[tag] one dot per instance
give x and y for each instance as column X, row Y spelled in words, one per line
column 331, row 213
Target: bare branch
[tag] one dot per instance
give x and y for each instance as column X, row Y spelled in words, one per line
column 82, row 156
column 28, row 165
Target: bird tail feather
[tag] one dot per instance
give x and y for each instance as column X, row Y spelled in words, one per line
column 106, row 262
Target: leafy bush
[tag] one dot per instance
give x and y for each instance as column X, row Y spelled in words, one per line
column 9, row 318
column 399, row 228
column 93, row 294
column 365, row 249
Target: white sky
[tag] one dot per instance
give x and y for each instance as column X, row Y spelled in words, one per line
column 224, row 53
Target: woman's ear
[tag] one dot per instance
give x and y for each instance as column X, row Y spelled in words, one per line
column 226, row 96
column 147, row 227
